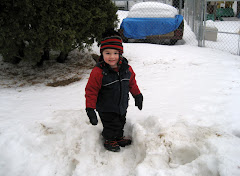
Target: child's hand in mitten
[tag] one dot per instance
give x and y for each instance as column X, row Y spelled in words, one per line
column 139, row 101
column 92, row 116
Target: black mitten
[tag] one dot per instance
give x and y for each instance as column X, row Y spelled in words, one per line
column 92, row 116
column 139, row 101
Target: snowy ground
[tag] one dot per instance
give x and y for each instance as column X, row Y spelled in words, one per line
column 189, row 124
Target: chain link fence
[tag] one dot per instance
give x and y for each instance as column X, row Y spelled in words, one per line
column 216, row 24
column 206, row 23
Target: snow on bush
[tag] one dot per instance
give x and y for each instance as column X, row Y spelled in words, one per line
column 152, row 10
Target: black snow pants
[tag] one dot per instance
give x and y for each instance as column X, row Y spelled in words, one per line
column 113, row 125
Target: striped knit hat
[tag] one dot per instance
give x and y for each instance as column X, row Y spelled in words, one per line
column 113, row 42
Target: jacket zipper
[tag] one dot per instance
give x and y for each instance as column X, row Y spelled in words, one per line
column 119, row 77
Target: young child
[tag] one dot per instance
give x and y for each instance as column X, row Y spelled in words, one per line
column 107, row 91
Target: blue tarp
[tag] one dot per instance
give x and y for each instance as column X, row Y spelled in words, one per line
column 139, row 28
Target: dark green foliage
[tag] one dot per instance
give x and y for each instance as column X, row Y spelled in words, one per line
column 30, row 27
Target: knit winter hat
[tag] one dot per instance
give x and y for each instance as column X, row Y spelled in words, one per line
column 113, row 42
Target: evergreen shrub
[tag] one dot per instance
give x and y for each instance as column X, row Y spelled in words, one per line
column 29, row 29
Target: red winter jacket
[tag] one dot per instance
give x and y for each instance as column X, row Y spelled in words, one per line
column 94, row 86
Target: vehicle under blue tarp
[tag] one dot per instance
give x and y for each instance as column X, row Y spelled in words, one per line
column 140, row 28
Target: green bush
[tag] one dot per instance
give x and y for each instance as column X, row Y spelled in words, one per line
column 29, row 27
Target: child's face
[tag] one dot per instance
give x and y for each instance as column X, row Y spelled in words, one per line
column 111, row 57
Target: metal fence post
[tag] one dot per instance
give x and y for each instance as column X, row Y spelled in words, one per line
column 194, row 15
column 200, row 28
column 238, row 44
column 205, row 19
column 180, row 7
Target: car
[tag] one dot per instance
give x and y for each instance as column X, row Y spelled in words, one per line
column 154, row 22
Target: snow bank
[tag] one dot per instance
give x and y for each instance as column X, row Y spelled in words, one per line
column 67, row 144
column 182, row 149
column 210, row 24
column 152, row 10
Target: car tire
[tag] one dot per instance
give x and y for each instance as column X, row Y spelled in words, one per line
column 173, row 41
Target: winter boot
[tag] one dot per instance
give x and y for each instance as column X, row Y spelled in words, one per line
column 111, row 145
column 122, row 141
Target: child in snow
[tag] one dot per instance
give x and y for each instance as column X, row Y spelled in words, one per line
column 107, row 91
